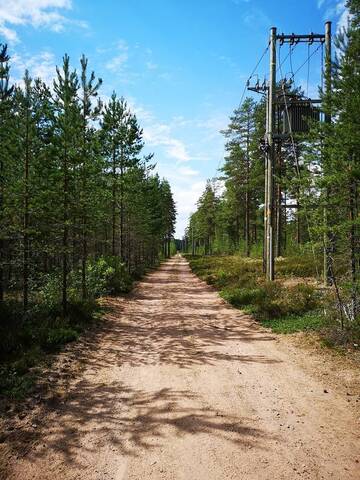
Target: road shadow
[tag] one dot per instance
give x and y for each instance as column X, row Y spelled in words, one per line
column 92, row 416
column 160, row 323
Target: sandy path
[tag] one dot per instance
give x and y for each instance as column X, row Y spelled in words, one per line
column 181, row 386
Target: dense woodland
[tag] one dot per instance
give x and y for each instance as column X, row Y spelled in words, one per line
column 316, row 211
column 82, row 213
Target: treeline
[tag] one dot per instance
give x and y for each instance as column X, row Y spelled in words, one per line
column 317, row 173
column 81, row 211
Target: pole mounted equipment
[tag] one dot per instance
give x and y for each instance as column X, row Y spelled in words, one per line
column 294, row 112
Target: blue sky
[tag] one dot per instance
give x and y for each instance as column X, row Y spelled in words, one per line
column 181, row 64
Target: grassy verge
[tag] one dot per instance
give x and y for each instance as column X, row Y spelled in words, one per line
column 27, row 341
column 291, row 304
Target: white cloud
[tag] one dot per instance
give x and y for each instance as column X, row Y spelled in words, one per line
column 9, row 34
column 165, row 76
column 41, row 65
column 117, row 62
column 187, row 172
column 343, row 16
column 151, row 66
column 256, row 18
column 37, row 13
column 185, row 164
column 158, row 134
column 335, row 9
column 186, row 197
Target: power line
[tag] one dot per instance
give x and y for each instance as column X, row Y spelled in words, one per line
column 245, row 87
column 306, row 61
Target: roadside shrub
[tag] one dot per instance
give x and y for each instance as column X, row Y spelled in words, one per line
column 298, row 266
column 59, row 336
column 279, row 301
column 239, row 297
column 27, row 361
column 12, row 384
column 118, row 279
column 104, row 276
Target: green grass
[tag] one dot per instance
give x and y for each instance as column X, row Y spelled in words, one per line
column 310, row 321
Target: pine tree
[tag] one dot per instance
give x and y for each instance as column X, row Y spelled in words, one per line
column 5, row 120
column 122, row 140
column 68, row 124
column 89, row 90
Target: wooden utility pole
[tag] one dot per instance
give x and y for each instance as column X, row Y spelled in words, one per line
column 326, row 266
column 273, row 104
column 192, row 241
column 270, row 160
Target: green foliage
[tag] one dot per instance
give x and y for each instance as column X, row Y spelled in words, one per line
column 309, row 321
column 115, row 276
column 31, row 336
column 240, row 297
column 59, row 336
column 81, row 213
column 272, row 300
column 240, row 283
column 104, row 276
column 14, row 385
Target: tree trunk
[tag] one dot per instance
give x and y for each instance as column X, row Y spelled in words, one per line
column 113, row 250
column 65, row 233
column 353, row 242
column 122, row 207
column 26, row 215
column 247, row 194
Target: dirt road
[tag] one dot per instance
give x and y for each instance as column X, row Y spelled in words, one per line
column 178, row 385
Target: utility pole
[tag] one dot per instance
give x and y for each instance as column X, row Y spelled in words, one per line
column 270, row 160
column 192, row 240
column 277, row 108
column 327, row 120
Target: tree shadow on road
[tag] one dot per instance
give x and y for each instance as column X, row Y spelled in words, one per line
column 128, row 420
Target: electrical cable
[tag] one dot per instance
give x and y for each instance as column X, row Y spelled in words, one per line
column 307, row 60
column 245, row 87
column 291, row 50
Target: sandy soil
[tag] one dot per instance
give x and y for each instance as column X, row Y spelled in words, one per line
column 178, row 385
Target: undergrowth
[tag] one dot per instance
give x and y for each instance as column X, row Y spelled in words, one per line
column 291, row 304
column 27, row 339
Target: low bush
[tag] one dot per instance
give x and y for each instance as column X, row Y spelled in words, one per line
column 309, row 321
column 29, row 337
column 57, row 337
column 104, row 276
column 239, row 297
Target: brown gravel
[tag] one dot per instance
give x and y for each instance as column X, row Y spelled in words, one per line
column 179, row 385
